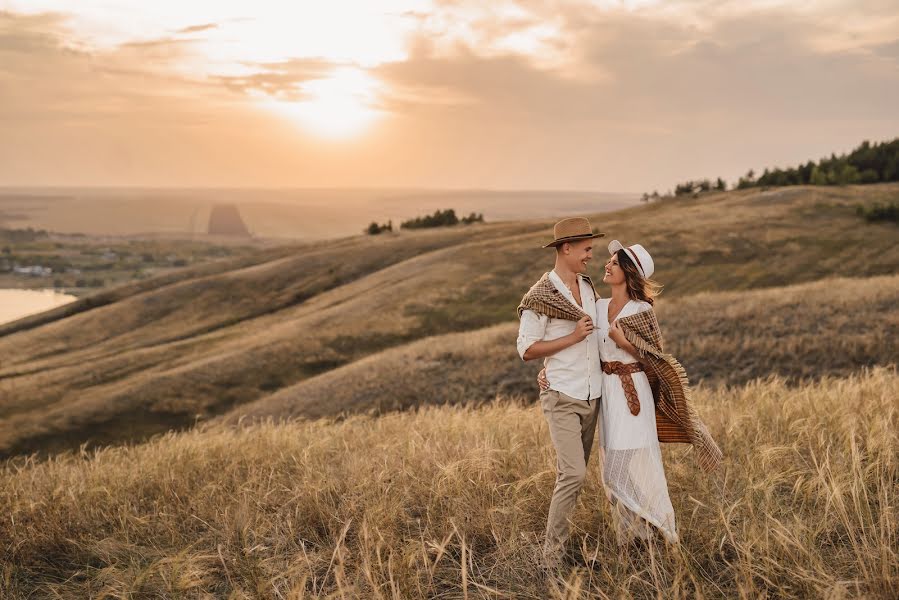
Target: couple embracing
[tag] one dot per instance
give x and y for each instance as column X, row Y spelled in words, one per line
column 605, row 370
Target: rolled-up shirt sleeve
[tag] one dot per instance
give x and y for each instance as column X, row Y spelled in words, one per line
column 531, row 328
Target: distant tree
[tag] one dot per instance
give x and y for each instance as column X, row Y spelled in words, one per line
column 693, row 187
column 473, row 218
column 440, row 218
column 818, row 177
column 868, row 163
column 805, row 172
column 868, row 176
column 747, row 180
column 375, row 229
column 848, row 174
column 721, row 185
column 890, row 170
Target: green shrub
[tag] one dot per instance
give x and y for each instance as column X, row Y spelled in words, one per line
column 887, row 211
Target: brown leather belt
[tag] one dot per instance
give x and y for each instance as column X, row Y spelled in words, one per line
column 624, row 371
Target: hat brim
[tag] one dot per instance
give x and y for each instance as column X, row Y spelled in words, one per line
column 574, row 238
column 615, row 246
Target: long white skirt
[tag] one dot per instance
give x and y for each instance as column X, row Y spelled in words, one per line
column 631, row 462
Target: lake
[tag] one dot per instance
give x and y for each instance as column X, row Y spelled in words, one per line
column 15, row 303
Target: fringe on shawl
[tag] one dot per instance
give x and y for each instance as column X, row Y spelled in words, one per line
column 672, row 397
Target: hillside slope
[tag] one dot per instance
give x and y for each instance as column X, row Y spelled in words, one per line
column 795, row 332
column 165, row 354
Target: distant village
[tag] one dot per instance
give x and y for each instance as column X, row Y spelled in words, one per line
column 225, row 219
column 39, row 270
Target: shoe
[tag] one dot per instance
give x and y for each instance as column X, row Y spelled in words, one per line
column 549, row 560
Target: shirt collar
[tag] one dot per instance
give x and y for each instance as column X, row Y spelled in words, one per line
column 560, row 285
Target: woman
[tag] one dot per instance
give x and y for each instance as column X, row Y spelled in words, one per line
column 631, row 459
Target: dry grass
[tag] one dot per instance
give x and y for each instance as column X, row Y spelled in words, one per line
column 829, row 327
column 170, row 352
column 450, row 502
column 157, row 357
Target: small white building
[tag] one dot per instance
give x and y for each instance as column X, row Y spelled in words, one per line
column 33, row 270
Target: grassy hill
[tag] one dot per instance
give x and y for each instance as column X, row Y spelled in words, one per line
column 451, row 502
column 167, row 351
column 794, row 332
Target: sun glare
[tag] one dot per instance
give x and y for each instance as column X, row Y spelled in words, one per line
column 338, row 106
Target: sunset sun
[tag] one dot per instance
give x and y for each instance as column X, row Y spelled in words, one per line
column 339, row 106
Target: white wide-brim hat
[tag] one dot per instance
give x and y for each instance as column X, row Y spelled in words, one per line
column 638, row 255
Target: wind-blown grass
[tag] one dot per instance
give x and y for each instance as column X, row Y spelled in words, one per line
column 451, row 501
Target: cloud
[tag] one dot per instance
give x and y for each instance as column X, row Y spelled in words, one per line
column 510, row 94
column 73, row 115
column 280, row 80
column 643, row 67
column 198, row 28
column 652, row 99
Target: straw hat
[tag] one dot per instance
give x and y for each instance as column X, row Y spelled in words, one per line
column 638, row 255
column 572, row 230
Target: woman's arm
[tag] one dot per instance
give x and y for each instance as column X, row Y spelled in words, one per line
column 617, row 336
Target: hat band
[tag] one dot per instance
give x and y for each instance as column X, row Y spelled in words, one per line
column 573, row 237
column 633, row 254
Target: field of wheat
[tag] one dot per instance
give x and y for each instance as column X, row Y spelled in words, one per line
column 451, row 501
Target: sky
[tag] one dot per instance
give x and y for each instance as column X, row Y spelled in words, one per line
column 616, row 96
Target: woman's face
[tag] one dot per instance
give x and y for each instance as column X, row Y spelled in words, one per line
column 614, row 273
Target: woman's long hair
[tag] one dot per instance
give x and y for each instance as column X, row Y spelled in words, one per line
column 638, row 287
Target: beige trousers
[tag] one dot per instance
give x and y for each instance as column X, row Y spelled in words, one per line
column 572, row 424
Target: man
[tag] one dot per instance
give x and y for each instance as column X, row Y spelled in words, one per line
column 557, row 316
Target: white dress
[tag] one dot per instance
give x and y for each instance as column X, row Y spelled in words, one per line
column 630, row 457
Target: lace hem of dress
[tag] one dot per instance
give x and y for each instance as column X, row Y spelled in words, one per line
column 635, row 482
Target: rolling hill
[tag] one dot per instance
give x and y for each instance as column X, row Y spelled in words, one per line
column 793, row 332
column 164, row 353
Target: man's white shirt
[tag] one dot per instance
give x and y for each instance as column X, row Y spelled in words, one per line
column 576, row 370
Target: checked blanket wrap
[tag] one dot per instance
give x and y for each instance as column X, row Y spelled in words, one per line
column 545, row 298
column 676, row 419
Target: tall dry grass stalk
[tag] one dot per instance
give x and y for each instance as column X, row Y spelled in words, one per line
column 451, row 502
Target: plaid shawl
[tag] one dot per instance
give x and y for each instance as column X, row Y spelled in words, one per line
column 545, row 298
column 676, row 420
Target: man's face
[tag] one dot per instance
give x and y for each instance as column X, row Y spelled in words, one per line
column 577, row 254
